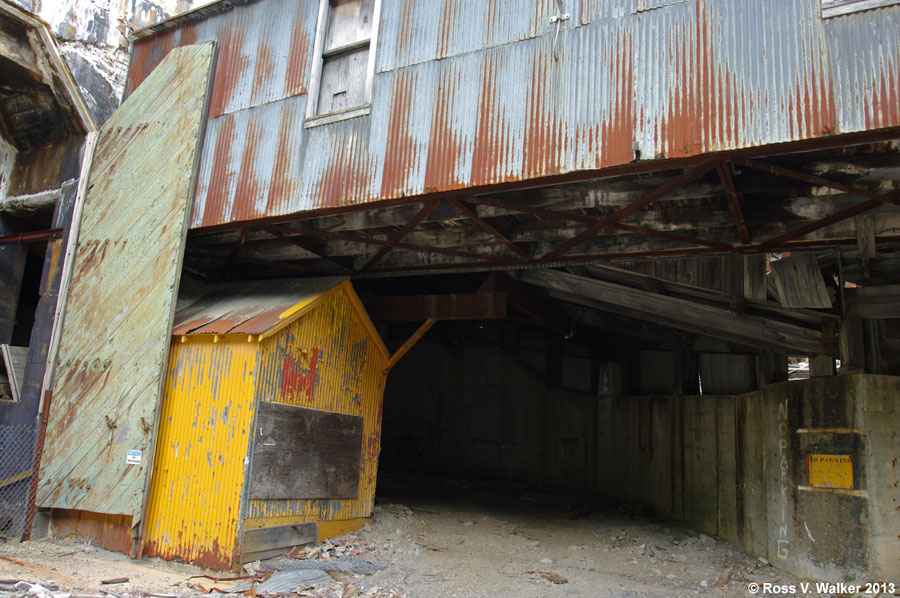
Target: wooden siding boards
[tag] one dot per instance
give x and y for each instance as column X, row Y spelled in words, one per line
column 114, row 341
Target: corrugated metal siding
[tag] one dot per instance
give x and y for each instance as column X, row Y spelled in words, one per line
column 469, row 92
column 114, row 340
column 207, row 414
column 328, row 359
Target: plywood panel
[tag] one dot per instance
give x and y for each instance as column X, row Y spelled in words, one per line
column 305, row 453
column 114, row 340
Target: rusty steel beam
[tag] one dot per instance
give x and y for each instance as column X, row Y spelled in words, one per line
column 619, row 215
column 726, row 177
column 471, row 215
column 812, row 179
column 462, row 306
column 827, row 221
column 32, row 237
column 405, row 230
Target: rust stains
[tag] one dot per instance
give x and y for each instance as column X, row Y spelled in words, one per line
column 885, row 94
column 686, row 119
column 188, row 35
column 492, row 130
column 346, row 179
column 618, row 128
column 295, row 78
column 444, row 145
column 147, row 54
column 282, row 186
column 265, row 67
column 404, row 35
column 544, row 134
column 230, row 66
column 449, row 17
column 216, row 558
column 401, row 149
column 248, row 187
column 220, row 180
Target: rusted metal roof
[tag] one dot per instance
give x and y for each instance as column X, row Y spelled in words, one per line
column 250, row 307
column 114, row 339
column 469, row 93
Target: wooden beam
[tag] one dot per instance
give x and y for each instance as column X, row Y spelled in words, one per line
column 309, row 245
column 892, row 198
column 684, row 315
column 631, row 208
column 535, row 307
column 398, row 236
column 363, row 240
column 462, row 306
column 726, row 176
column 874, row 303
column 484, row 225
column 404, row 349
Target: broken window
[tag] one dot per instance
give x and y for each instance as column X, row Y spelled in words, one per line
column 341, row 83
column 836, row 8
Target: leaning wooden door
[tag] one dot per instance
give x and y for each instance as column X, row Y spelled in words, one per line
column 114, row 339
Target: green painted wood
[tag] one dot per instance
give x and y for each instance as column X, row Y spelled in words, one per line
column 114, row 339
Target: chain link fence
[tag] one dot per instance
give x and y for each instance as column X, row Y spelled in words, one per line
column 16, row 460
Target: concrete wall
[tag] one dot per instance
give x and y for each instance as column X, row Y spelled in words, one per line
column 733, row 466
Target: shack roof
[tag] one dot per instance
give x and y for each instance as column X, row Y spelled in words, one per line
column 256, row 307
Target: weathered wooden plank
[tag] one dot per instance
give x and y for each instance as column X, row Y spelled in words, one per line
column 865, row 236
column 114, row 340
column 874, row 303
column 278, row 538
column 799, row 282
column 305, row 453
column 709, row 296
column 727, row 373
column 14, row 358
column 684, row 315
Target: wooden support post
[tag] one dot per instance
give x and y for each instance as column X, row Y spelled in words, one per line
column 404, row 349
column 821, row 365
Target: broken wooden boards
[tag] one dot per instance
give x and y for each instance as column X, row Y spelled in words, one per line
column 114, row 339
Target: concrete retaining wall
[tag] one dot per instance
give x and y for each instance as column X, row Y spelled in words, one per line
column 733, row 466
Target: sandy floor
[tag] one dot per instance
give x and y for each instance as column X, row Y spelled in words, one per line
column 455, row 537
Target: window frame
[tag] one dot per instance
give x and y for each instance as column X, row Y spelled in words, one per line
column 315, row 81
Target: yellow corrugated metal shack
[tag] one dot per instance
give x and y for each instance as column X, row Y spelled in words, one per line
column 270, row 423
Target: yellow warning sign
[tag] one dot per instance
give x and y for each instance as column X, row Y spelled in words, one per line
column 830, row 471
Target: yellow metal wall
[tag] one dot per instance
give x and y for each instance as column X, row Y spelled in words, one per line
column 198, row 475
column 328, row 359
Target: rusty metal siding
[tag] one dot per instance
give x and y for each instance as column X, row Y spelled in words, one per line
column 264, row 53
column 866, row 51
column 114, row 339
column 198, row 474
column 330, row 358
column 471, row 93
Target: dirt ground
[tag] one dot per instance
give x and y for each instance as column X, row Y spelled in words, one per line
column 442, row 537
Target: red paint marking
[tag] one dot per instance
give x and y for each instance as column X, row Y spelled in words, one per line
column 299, row 377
